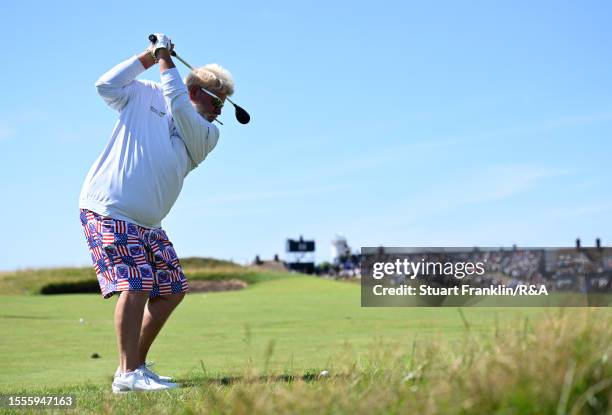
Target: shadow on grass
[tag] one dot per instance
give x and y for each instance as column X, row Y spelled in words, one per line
column 72, row 287
column 232, row 380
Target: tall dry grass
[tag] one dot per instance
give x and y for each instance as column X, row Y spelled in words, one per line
column 559, row 364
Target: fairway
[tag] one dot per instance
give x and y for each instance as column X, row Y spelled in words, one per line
column 299, row 323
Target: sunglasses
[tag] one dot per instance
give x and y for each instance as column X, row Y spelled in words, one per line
column 216, row 101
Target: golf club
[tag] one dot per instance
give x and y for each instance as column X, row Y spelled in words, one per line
column 242, row 116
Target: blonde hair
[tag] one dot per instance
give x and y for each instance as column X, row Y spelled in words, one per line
column 213, row 77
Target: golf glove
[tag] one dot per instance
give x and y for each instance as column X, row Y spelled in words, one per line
column 163, row 41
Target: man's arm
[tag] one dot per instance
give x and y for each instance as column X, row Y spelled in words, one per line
column 198, row 134
column 146, row 58
column 118, row 84
column 165, row 60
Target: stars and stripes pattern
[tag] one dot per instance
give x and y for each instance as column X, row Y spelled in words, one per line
column 128, row 257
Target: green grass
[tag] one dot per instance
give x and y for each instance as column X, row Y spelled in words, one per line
column 381, row 360
column 307, row 318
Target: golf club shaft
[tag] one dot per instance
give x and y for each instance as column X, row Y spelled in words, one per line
column 182, row 60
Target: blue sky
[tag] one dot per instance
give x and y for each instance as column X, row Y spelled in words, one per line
column 393, row 123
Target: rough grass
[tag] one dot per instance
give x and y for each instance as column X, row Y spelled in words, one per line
column 31, row 281
column 559, row 364
column 199, row 262
column 41, row 281
column 248, row 275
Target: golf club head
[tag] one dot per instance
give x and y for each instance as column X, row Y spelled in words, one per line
column 242, row 116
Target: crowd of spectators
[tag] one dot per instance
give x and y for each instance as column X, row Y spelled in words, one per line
column 516, row 263
column 574, row 263
column 344, row 267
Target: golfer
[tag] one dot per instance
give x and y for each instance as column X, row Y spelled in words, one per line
column 164, row 131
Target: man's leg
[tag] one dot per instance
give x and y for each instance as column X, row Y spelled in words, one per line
column 128, row 320
column 156, row 314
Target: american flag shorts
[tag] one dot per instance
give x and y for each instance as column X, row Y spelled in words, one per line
column 129, row 257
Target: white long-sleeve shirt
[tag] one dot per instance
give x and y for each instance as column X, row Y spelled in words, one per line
column 158, row 139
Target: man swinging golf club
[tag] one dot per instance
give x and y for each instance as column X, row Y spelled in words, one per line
column 164, row 131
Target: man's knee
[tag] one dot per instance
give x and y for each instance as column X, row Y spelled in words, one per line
column 134, row 296
column 174, row 298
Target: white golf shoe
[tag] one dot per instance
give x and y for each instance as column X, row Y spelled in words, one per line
column 138, row 381
column 145, row 367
